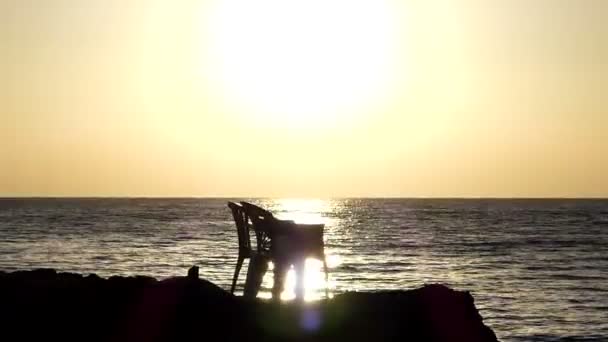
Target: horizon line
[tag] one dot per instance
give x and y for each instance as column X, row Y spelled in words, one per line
column 320, row 197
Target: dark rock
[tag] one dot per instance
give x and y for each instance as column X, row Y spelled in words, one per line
column 44, row 304
column 193, row 272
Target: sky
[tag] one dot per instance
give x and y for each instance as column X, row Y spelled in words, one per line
column 333, row 98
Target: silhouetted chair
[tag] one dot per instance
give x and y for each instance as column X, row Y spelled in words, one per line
column 245, row 250
column 308, row 239
column 261, row 220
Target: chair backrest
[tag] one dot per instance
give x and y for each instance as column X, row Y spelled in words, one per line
column 242, row 227
column 254, row 210
column 260, row 219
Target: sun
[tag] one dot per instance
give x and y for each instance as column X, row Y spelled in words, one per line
column 304, row 63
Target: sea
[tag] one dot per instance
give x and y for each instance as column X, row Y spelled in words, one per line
column 537, row 268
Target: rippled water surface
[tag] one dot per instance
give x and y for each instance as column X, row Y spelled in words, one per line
column 538, row 269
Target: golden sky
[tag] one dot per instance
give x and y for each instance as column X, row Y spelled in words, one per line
column 332, row 98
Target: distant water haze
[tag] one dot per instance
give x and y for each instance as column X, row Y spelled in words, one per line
column 536, row 268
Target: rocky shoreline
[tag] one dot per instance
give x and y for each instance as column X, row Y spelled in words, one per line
column 47, row 305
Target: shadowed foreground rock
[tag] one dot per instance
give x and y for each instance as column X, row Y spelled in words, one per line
column 46, row 305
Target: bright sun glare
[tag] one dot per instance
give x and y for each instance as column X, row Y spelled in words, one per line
column 305, row 211
column 300, row 63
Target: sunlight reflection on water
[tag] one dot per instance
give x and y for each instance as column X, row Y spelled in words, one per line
column 310, row 211
column 301, row 210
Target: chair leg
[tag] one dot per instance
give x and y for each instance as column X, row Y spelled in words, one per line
column 326, row 278
column 280, row 270
column 258, row 265
column 239, row 264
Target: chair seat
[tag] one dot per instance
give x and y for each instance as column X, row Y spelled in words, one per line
column 302, row 240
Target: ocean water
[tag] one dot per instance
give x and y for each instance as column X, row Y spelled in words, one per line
column 538, row 269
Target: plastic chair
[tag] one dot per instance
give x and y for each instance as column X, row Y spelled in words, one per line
column 242, row 228
column 267, row 227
